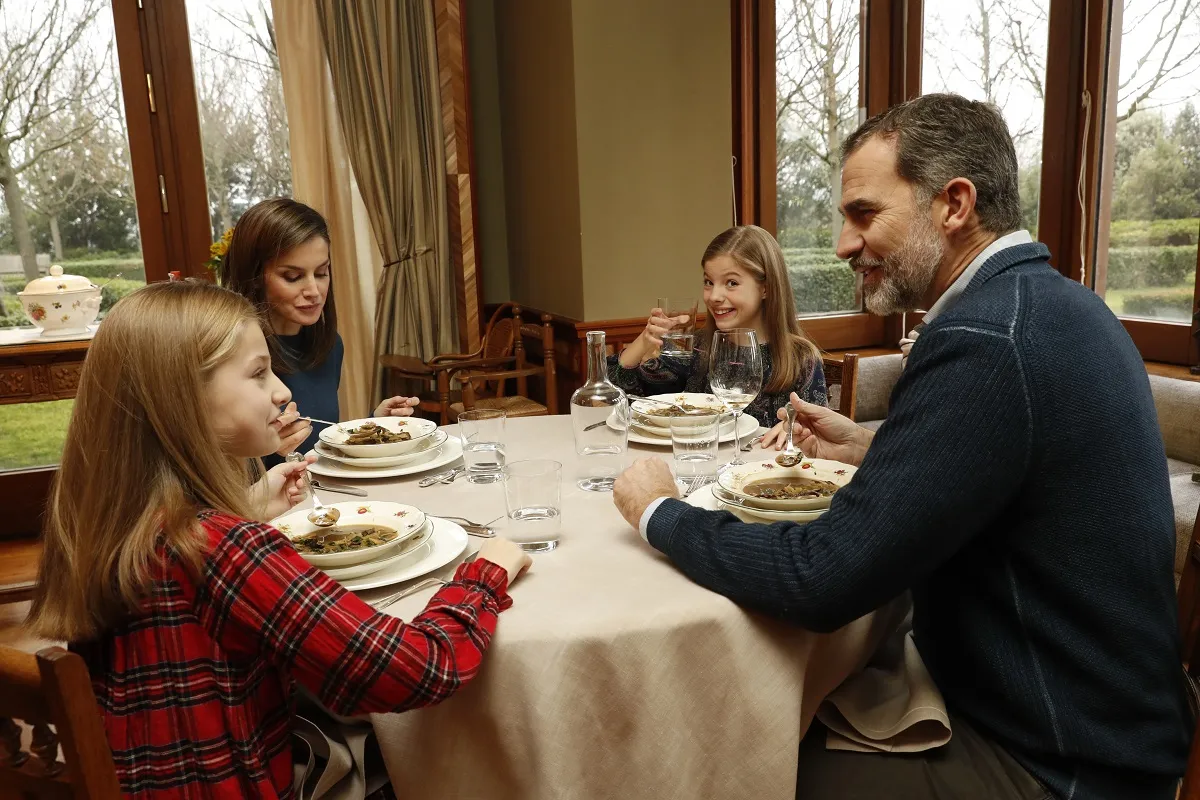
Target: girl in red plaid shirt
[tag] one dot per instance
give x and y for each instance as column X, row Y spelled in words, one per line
column 196, row 618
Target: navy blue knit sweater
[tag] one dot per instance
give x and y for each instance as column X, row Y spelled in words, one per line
column 1019, row 489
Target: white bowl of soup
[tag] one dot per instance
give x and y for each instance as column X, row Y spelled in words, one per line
column 689, row 407
column 808, row 486
column 365, row 531
column 378, row 437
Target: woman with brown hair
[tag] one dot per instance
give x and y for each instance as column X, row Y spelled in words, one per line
column 279, row 260
column 745, row 286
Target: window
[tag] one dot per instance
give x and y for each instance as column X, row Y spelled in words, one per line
column 995, row 51
column 1150, row 199
column 817, row 99
column 243, row 125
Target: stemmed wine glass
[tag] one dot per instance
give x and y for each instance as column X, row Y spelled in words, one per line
column 735, row 374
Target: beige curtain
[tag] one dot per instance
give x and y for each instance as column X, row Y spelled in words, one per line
column 322, row 178
column 383, row 58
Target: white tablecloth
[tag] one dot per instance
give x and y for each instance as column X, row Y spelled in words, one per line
column 613, row 675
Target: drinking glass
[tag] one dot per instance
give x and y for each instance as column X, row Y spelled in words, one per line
column 735, row 375
column 533, row 498
column 679, row 341
column 694, row 443
column 482, row 432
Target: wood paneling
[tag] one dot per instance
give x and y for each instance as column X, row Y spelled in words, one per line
column 753, row 72
column 1168, row 342
column 40, row 371
column 460, row 191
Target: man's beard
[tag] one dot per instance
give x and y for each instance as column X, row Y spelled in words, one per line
column 907, row 272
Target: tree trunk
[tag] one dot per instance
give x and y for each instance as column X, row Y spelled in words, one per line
column 56, row 238
column 14, row 201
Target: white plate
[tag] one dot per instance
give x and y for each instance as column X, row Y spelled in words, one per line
column 734, row 479
column 449, row 540
column 746, row 424
column 640, row 407
column 451, row 451
column 417, row 428
column 411, row 552
column 405, row 520
column 428, row 447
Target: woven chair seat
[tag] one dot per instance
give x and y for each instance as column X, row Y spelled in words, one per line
column 512, row 406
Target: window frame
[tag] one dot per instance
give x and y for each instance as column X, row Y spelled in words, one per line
column 1074, row 138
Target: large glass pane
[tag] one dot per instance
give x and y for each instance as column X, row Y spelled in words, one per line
column 68, row 196
column 243, row 124
column 817, row 83
column 995, row 50
column 1154, row 204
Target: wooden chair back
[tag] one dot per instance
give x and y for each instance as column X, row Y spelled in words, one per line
column 1189, row 628
column 522, row 368
column 842, row 373
column 52, row 688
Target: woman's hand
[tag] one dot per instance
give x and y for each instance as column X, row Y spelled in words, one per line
column 506, row 555
column 397, row 407
column 821, row 432
column 294, row 432
column 649, row 341
column 282, row 487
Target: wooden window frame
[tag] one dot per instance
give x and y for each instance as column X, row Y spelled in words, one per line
column 167, row 161
column 890, row 72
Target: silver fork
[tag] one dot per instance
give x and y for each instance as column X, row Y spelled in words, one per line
column 379, row 605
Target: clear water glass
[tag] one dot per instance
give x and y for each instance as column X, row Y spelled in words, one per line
column 482, row 433
column 694, row 444
column 533, row 499
column 680, row 340
column 735, row 374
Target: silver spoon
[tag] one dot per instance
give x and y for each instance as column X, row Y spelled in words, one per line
column 321, row 516
column 790, row 456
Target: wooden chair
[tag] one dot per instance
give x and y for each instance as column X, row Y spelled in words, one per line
column 1189, row 629
column 843, row 373
column 495, row 351
column 52, row 688
column 493, row 380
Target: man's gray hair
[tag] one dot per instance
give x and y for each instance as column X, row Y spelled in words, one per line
column 940, row 137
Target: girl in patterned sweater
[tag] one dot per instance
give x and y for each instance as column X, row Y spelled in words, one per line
column 196, row 619
column 745, row 286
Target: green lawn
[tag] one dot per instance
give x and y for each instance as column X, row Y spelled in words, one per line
column 32, row 434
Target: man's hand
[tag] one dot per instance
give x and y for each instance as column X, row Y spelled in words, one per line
column 640, row 485
column 822, row 433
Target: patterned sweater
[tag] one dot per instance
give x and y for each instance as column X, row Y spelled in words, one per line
column 670, row 375
column 1019, row 489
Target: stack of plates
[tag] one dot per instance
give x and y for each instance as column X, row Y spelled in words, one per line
column 423, row 543
column 428, row 448
column 737, row 489
column 655, row 429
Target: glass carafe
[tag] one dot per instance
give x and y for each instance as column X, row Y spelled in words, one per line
column 600, row 418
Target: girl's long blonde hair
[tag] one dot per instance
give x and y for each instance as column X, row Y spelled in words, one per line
column 757, row 252
column 139, row 459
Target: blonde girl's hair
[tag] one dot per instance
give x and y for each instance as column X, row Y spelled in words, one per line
column 757, row 252
column 139, row 460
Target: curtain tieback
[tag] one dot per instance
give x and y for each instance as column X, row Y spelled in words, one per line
column 420, row 251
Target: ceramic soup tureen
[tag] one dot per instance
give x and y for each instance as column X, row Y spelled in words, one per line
column 61, row 305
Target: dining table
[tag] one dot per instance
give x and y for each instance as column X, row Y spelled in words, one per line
column 612, row 675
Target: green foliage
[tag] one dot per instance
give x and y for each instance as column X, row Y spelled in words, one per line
column 820, row 281
column 807, row 238
column 98, row 270
column 1174, row 303
column 1153, row 233
column 1138, row 267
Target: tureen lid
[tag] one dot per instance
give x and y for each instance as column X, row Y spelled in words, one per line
column 57, row 282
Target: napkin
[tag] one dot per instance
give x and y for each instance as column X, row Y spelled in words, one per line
column 331, row 755
column 891, row 705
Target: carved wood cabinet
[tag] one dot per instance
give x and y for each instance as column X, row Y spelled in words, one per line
column 38, row 371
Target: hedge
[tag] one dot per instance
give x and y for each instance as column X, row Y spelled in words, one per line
column 128, row 268
column 1166, row 303
column 1153, row 233
column 1138, row 267
column 822, row 287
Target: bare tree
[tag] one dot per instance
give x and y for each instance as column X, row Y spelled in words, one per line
column 817, row 89
column 37, row 86
column 1173, row 52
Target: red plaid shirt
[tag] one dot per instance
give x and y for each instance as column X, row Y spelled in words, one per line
column 198, row 690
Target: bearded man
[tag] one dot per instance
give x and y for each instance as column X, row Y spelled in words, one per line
column 1018, row 489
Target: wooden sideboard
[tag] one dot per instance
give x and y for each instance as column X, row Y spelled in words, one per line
column 34, row 371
